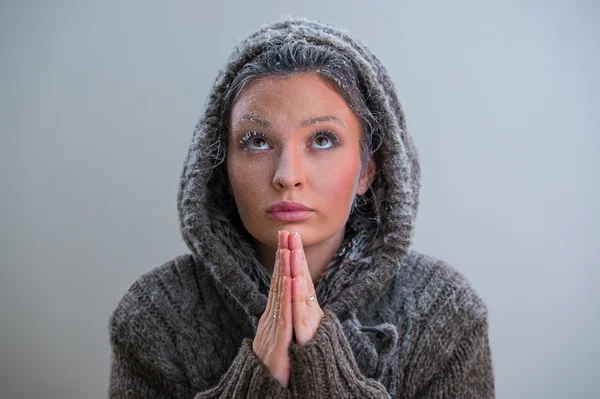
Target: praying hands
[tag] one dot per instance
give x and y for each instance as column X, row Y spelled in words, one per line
column 292, row 308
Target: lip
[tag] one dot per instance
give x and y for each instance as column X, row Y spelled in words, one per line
column 289, row 211
column 287, row 206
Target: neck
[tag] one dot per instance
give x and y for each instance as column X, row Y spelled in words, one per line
column 318, row 255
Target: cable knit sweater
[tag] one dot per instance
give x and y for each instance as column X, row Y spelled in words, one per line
column 397, row 324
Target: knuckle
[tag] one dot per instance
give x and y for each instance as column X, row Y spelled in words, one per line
column 281, row 323
column 305, row 321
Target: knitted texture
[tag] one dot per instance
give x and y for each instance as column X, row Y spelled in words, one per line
column 397, row 323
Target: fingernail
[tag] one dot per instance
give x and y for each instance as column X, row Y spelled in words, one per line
column 297, row 238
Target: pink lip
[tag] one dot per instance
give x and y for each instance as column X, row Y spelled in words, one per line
column 287, row 206
column 289, row 211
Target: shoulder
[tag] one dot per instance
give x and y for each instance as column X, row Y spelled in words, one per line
column 159, row 301
column 167, row 324
column 445, row 318
column 431, row 289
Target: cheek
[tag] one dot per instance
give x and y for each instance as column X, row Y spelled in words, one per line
column 339, row 182
column 246, row 180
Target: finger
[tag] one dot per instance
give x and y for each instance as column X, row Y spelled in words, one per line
column 276, row 285
column 296, row 246
column 299, row 265
column 302, row 324
column 280, row 278
column 284, row 238
column 271, row 329
column 285, row 330
column 307, row 275
column 285, row 267
column 284, row 324
column 292, row 240
column 276, row 265
column 284, row 257
column 273, row 286
column 275, row 280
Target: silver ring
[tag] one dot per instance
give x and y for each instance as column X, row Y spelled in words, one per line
column 275, row 317
column 313, row 297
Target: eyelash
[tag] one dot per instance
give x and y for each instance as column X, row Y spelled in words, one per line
column 254, row 134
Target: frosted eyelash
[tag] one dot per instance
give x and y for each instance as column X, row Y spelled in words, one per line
column 249, row 136
column 327, row 133
column 253, row 134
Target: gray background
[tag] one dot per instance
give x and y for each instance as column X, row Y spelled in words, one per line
column 97, row 105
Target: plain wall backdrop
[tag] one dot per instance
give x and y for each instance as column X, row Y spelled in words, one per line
column 98, row 100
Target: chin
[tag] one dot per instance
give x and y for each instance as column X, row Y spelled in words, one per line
column 267, row 233
column 311, row 234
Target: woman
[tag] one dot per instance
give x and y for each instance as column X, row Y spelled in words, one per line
column 298, row 200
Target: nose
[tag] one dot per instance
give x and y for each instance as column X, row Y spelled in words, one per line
column 289, row 172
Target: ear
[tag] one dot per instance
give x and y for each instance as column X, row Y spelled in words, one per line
column 367, row 177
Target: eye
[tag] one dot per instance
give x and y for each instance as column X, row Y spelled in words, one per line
column 322, row 141
column 254, row 141
column 325, row 139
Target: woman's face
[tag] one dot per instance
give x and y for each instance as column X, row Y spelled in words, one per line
column 294, row 139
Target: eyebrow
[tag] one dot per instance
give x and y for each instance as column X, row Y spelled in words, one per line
column 264, row 122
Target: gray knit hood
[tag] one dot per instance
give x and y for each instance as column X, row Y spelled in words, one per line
column 373, row 247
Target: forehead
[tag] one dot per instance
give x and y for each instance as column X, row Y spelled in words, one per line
column 287, row 100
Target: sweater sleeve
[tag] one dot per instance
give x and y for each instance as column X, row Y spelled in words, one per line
column 468, row 373
column 325, row 367
column 246, row 378
column 132, row 378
